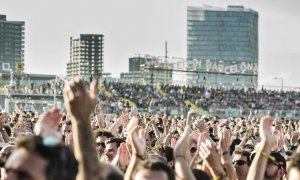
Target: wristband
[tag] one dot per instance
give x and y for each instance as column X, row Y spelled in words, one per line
column 220, row 176
column 268, row 157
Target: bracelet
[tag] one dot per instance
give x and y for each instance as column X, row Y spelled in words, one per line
column 221, row 176
column 266, row 155
column 139, row 156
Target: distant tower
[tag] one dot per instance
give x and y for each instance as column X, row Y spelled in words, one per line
column 11, row 44
column 86, row 56
column 226, row 42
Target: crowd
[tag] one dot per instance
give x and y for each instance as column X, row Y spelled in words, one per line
column 204, row 98
column 86, row 144
column 166, row 97
column 34, row 87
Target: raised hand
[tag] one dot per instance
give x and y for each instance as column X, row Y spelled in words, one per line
column 225, row 140
column 295, row 137
column 194, row 136
column 123, row 155
column 182, row 146
column 280, row 140
column 266, row 132
column 100, row 120
column 137, row 140
column 200, row 125
column 47, row 125
column 123, row 119
column 133, row 112
column 191, row 112
column 208, row 152
column 79, row 101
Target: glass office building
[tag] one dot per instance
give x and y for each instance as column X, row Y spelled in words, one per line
column 223, row 44
column 12, row 37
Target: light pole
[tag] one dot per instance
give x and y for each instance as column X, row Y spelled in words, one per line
column 280, row 78
column 11, row 77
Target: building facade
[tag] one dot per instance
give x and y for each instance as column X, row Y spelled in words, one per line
column 223, row 45
column 86, row 56
column 12, row 35
column 148, row 69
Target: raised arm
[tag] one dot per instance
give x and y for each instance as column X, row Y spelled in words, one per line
column 80, row 103
column 181, row 150
column 3, row 118
column 138, row 144
column 225, row 142
column 123, row 119
column 268, row 140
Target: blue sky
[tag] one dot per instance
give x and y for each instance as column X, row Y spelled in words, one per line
column 142, row 26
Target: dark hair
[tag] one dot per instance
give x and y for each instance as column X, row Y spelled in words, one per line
column 157, row 166
column 103, row 133
column 114, row 176
column 200, row 175
column 7, row 129
column 61, row 161
column 151, row 134
column 246, row 154
column 168, row 152
column 118, row 141
column 233, row 144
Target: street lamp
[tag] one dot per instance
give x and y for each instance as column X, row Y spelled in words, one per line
column 280, row 78
column 11, row 77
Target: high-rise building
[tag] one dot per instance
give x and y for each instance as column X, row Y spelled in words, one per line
column 148, row 70
column 11, row 45
column 86, row 56
column 223, row 44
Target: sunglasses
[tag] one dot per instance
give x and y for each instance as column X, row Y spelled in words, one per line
column 102, row 145
column 239, row 162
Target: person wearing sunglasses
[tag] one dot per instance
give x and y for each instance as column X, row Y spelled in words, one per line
column 276, row 166
column 101, row 136
column 241, row 163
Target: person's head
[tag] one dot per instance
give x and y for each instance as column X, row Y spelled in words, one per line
column 167, row 152
column 276, row 166
column 28, row 125
column 150, row 138
column 156, row 157
column 101, row 137
column 256, row 131
column 200, row 175
column 154, row 170
column 111, row 148
column 293, row 169
column 241, row 163
column 5, row 153
column 110, row 172
column 35, row 160
column 33, row 121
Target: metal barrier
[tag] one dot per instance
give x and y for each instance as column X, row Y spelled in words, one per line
column 225, row 113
